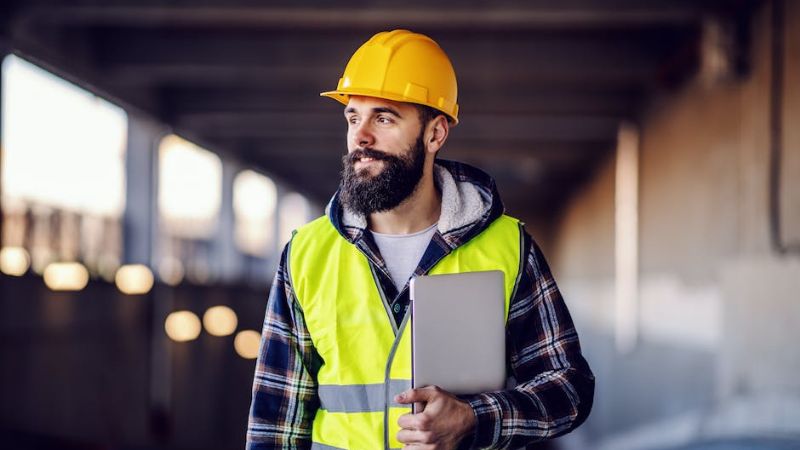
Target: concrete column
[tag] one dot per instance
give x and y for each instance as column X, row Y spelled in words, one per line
column 141, row 239
column 226, row 261
column 141, row 177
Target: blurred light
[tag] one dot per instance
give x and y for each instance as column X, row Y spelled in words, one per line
column 69, row 154
column 170, row 270
column 294, row 212
column 182, row 326
column 254, row 200
column 246, row 343
column 134, row 279
column 220, row 321
column 66, row 276
column 14, row 261
column 190, row 188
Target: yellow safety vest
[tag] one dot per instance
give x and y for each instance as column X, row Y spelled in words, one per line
column 366, row 358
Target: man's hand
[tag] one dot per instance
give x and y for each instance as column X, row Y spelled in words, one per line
column 441, row 425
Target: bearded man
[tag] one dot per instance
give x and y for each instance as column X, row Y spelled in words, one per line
column 328, row 375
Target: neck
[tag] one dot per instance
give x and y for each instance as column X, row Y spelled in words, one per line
column 416, row 213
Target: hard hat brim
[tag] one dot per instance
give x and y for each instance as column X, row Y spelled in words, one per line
column 343, row 97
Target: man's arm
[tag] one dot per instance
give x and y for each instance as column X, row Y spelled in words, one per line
column 284, row 387
column 555, row 385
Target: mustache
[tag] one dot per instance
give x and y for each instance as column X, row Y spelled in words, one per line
column 359, row 153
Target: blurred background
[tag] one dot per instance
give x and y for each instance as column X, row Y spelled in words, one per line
column 156, row 155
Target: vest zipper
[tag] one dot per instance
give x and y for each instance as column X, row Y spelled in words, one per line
column 387, row 378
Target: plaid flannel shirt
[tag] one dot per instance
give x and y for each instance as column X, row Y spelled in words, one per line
column 554, row 389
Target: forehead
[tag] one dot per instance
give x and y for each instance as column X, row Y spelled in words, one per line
column 363, row 105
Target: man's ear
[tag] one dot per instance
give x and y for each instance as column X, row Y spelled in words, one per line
column 436, row 133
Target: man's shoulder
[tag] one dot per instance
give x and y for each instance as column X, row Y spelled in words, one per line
column 509, row 219
column 510, row 224
column 314, row 237
column 316, row 225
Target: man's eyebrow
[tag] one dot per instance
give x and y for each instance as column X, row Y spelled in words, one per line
column 386, row 109
column 378, row 110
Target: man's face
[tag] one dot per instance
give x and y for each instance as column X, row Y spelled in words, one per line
column 385, row 154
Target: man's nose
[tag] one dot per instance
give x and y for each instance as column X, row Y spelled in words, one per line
column 362, row 136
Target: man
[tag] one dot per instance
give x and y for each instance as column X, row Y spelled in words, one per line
column 334, row 365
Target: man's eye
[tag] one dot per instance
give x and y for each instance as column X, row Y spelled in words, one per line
column 352, row 120
column 384, row 119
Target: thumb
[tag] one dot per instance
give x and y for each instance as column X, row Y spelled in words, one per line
column 415, row 395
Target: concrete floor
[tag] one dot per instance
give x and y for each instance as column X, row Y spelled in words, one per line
column 744, row 444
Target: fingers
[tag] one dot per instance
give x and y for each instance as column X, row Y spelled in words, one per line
column 420, row 422
column 415, row 437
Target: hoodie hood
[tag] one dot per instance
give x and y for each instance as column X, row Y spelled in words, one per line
column 470, row 202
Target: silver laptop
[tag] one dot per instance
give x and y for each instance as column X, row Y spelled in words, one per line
column 458, row 332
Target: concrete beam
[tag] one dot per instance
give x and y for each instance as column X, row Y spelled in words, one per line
column 254, row 47
column 235, row 58
column 417, row 14
column 68, row 63
column 297, row 98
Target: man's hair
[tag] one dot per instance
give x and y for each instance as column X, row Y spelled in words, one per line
column 426, row 114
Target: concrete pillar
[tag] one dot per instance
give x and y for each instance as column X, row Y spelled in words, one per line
column 140, row 246
column 141, row 178
column 226, row 261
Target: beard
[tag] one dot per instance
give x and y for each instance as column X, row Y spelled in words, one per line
column 364, row 193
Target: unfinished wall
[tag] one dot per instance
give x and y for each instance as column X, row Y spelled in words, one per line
column 719, row 312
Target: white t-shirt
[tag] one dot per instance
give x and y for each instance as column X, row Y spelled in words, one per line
column 402, row 252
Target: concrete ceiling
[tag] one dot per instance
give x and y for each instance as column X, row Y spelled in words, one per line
column 543, row 85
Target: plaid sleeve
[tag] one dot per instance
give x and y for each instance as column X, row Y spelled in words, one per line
column 555, row 385
column 284, row 387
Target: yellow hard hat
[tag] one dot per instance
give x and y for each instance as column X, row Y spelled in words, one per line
column 402, row 66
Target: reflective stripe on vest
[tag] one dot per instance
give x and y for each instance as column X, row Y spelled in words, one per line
column 366, row 356
column 360, row 397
